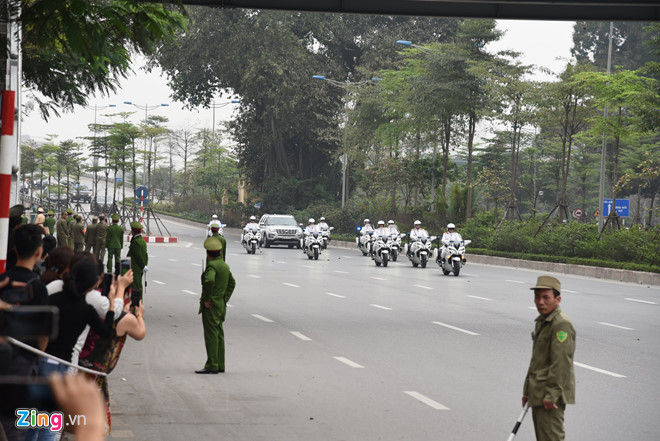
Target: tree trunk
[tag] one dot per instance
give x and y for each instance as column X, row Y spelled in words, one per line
column 471, row 129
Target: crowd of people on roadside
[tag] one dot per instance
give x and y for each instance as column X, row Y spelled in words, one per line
column 94, row 317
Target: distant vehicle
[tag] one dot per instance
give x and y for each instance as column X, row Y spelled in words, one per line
column 59, row 198
column 102, row 200
column 279, row 229
column 81, row 194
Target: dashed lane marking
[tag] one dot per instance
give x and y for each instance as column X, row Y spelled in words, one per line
column 426, row 400
column 642, row 301
column 378, row 278
column 601, row 371
column 196, row 264
column 479, row 298
column 254, row 276
column 348, row 362
column 471, row 275
column 172, row 260
column 340, row 272
column 572, row 292
column 616, row 326
column 158, row 282
column 335, row 295
column 456, row 328
column 301, row 336
column 307, row 266
column 514, row 281
column 262, row 318
column 189, row 292
column 291, row 285
column 422, row 286
column 279, row 261
column 380, row 307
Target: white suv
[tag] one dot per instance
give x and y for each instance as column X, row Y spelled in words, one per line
column 279, row 229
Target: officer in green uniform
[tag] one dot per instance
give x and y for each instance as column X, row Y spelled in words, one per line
column 137, row 251
column 217, row 287
column 50, row 222
column 550, row 382
column 90, row 235
column 114, row 242
column 78, row 234
column 215, row 232
column 101, row 234
column 69, row 222
column 62, row 228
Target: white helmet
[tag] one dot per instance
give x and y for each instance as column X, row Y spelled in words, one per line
column 417, row 223
column 390, row 222
column 252, row 218
column 322, row 218
column 451, row 227
column 215, row 216
column 366, row 221
column 381, row 223
column 311, row 220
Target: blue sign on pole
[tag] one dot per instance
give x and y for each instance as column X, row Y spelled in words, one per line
column 118, row 180
column 257, row 205
column 622, row 207
column 145, row 202
column 141, row 192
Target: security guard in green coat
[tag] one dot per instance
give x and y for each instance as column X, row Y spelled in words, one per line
column 217, row 287
column 78, row 234
column 550, row 382
column 114, row 241
column 90, row 235
column 215, row 232
column 69, row 222
column 50, row 222
column 62, row 228
column 137, row 251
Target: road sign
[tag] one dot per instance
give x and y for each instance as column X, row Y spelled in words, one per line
column 141, row 192
column 118, row 180
column 577, row 213
column 622, row 207
column 141, row 201
column 257, row 205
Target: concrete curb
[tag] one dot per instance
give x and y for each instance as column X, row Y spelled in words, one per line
column 628, row 276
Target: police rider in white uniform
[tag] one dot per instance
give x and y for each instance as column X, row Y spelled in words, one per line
column 323, row 226
column 214, row 219
column 312, row 228
column 367, row 227
column 381, row 230
column 450, row 235
column 417, row 233
column 251, row 226
column 394, row 230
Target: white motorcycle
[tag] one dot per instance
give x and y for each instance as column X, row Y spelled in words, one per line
column 365, row 243
column 395, row 246
column 451, row 258
column 419, row 251
column 325, row 233
column 251, row 240
column 381, row 253
column 313, row 245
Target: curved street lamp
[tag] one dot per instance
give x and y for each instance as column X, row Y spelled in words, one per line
column 219, row 106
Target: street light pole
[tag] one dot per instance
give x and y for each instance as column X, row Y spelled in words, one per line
column 603, row 155
column 218, row 106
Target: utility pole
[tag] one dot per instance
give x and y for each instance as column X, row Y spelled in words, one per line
column 603, row 156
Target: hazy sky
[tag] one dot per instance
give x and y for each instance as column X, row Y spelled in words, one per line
column 540, row 42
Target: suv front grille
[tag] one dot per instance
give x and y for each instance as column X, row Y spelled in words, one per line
column 285, row 231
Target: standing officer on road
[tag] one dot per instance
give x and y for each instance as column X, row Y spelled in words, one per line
column 137, row 251
column 99, row 241
column 114, row 242
column 70, row 220
column 217, row 287
column 90, row 235
column 62, row 228
column 215, row 232
column 77, row 231
column 550, row 382
column 50, row 222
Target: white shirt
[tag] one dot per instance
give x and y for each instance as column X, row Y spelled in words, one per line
column 383, row 232
column 311, row 229
column 323, row 226
column 251, row 226
column 448, row 237
column 366, row 228
column 418, row 233
column 393, row 230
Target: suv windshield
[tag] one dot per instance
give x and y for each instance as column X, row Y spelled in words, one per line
column 281, row 220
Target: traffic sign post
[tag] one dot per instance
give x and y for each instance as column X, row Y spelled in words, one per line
column 622, row 207
column 141, row 192
column 577, row 213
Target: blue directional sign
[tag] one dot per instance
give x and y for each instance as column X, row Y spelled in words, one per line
column 257, row 205
column 622, row 207
column 118, row 180
column 141, row 192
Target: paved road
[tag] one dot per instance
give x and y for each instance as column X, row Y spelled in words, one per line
column 338, row 349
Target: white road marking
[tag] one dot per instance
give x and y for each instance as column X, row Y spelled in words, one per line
column 158, row 282
column 422, row 286
column 189, row 245
column 229, row 306
column 279, row 261
column 335, row 295
column 290, row 284
column 471, row 275
column 340, row 272
column 378, row 278
column 347, row 257
column 172, row 260
column 254, row 276
column 151, row 255
column 196, row 264
column 532, row 307
column 642, row 301
column 307, row 266
column 514, row 281
column 301, row 336
column 190, row 292
column 455, row 328
column 616, row 326
column 572, row 292
column 479, row 298
column 601, row 371
column 349, row 362
column 261, row 317
column 426, row 400
column 381, row 307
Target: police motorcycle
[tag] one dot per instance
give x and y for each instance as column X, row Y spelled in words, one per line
column 381, row 250
column 394, row 243
column 451, row 258
column 251, row 240
column 209, row 233
column 419, row 251
column 325, row 234
column 365, row 241
column 313, row 245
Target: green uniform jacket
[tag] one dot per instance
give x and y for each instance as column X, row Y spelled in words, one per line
column 77, row 233
column 223, row 241
column 69, row 223
column 62, row 232
column 217, row 285
column 101, row 234
column 90, row 235
column 50, row 223
column 137, row 251
column 114, row 237
column 551, row 375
